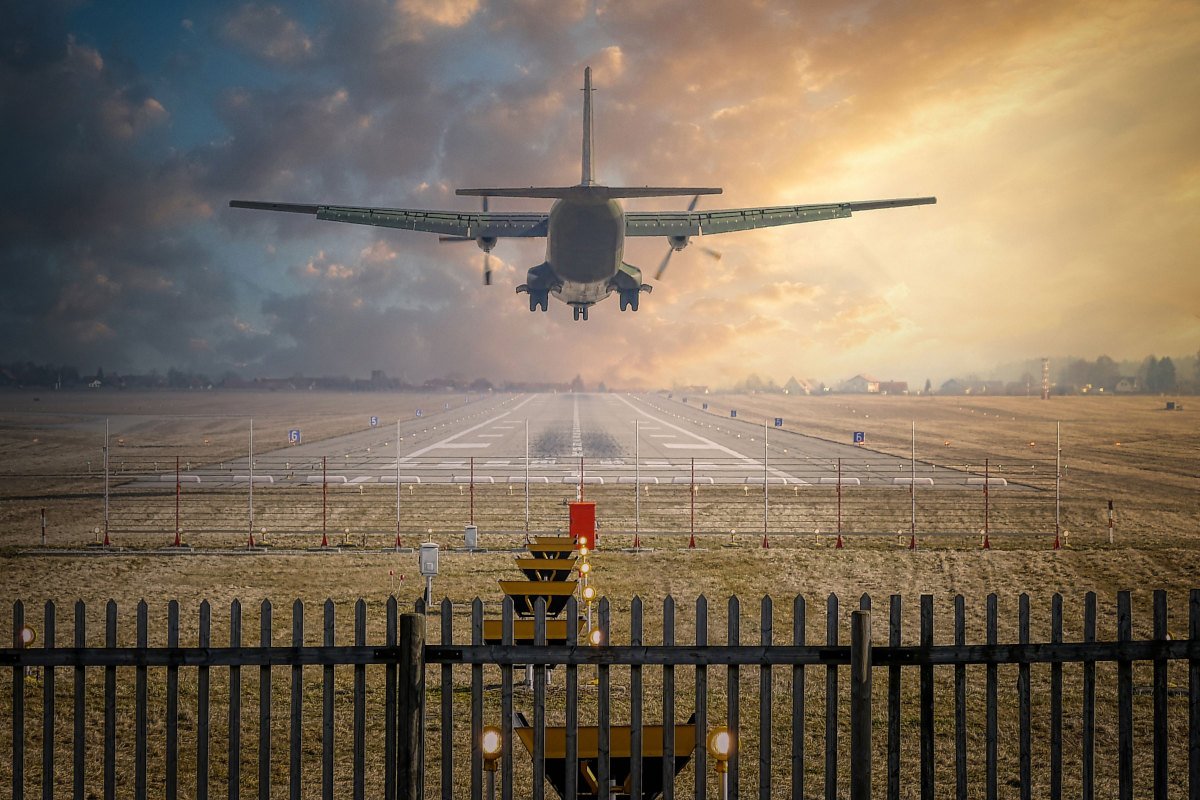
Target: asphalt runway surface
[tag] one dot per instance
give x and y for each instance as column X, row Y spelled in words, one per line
column 547, row 438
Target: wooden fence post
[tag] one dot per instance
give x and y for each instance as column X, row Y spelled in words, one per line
column 412, row 693
column 860, row 705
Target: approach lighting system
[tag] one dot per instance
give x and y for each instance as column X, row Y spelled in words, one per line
column 596, row 637
column 27, row 636
column 589, row 593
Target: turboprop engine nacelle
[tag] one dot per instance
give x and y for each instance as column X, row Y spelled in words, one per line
column 678, row 242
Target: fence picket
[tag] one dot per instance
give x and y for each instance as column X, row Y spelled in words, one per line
column 235, row 703
column 1087, row 759
column 604, row 702
column 960, row 703
column 477, row 704
column 893, row 714
column 110, row 706
column 327, row 707
column 635, row 701
column 539, row 703
column 18, row 707
column 360, row 704
column 172, row 748
column 1160, row 699
column 572, row 711
column 701, row 701
column 733, row 695
column 447, row 694
column 990, row 735
column 1025, row 744
column 798, row 639
column 1124, row 701
column 264, row 706
column 1194, row 699
column 668, row 765
column 48, row 714
column 764, row 704
column 506, row 700
column 1056, row 723
column 79, row 741
column 831, row 698
column 202, row 706
column 296, row 721
column 927, row 740
column 139, row 711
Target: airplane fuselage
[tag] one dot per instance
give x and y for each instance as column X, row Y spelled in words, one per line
column 585, row 243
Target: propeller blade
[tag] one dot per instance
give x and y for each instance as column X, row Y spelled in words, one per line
column 485, row 203
column 692, row 205
column 487, row 269
column 663, row 266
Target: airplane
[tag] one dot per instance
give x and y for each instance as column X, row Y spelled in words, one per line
column 586, row 228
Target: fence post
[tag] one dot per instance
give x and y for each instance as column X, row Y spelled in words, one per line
column 412, row 694
column 860, row 705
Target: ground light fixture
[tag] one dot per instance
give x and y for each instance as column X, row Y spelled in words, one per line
column 26, row 636
column 490, row 742
column 589, row 593
column 596, row 637
column 720, row 747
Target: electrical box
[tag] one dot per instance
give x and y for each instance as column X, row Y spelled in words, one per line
column 429, row 559
column 583, row 524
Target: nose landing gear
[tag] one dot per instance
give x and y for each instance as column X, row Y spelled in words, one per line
column 581, row 312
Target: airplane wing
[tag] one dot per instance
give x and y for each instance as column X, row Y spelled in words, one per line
column 448, row 223
column 706, row 223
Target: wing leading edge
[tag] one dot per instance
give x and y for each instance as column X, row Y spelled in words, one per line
column 705, row 223
column 448, row 223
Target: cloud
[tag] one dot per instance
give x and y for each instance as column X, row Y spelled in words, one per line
column 267, row 33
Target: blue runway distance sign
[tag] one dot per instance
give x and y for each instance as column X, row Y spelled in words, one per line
column 860, row 437
column 779, row 422
column 733, row 412
column 704, row 407
column 294, row 436
column 374, row 421
column 418, row 412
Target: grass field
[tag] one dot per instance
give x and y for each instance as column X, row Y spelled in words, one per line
column 1152, row 475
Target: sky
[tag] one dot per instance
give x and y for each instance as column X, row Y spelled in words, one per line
column 1062, row 140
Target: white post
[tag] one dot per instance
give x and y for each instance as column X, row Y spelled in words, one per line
column 252, row 477
column 637, row 498
column 397, row 480
column 766, row 480
column 1057, row 481
column 106, row 477
column 913, row 479
column 527, row 478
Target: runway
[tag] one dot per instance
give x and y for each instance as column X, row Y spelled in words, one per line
column 574, row 438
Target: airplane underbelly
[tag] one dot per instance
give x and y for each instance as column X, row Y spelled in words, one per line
column 585, row 242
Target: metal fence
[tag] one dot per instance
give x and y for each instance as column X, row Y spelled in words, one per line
column 146, row 500
column 408, row 739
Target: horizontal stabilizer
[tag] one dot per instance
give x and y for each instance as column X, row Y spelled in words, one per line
column 593, row 192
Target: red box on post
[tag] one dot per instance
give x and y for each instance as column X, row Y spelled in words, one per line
column 583, row 523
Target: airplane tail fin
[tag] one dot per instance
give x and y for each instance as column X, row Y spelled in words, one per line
column 589, row 165
column 587, row 188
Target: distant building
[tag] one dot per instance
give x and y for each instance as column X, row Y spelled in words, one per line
column 807, row 386
column 954, row 386
column 860, row 384
column 1125, row 385
column 893, row 387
